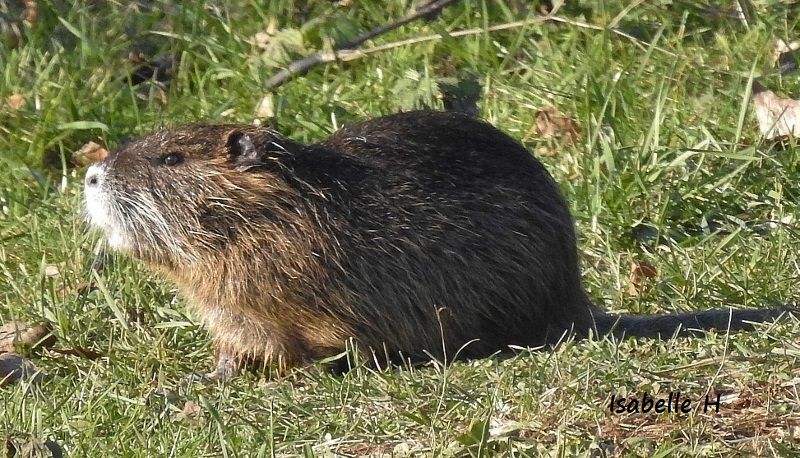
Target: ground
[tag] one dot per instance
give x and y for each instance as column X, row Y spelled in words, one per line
column 640, row 110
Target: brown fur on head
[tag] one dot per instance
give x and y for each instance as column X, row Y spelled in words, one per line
column 210, row 207
column 172, row 196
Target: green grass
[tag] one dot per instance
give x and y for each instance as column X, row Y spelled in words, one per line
column 683, row 184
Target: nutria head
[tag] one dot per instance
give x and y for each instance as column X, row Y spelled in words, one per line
column 166, row 197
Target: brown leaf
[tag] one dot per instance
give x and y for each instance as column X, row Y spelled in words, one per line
column 550, row 123
column 777, row 117
column 191, row 411
column 31, row 13
column 640, row 272
column 17, row 334
column 81, row 289
column 89, row 154
column 28, row 446
column 14, row 367
column 15, row 101
column 10, row 334
column 38, row 336
column 84, row 288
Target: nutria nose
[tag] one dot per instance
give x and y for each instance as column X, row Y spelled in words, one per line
column 92, row 177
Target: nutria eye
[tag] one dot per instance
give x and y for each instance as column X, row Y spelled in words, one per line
column 172, row 159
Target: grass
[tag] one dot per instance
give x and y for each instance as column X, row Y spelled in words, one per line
column 669, row 171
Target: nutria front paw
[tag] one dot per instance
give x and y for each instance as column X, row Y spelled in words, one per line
column 227, row 368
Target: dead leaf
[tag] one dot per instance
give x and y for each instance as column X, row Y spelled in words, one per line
column 506, row 428
column 15, row 101
column 191, row 411
column 262, row 39
column 777, row 118
column 31, row 13
column 640, row 272
column 51, row 271
column 14, row 367
column 552, row 125
column 28, row 446
column 783, row 49
column 265, row 108
column 83, row 288
column 10, row 334
column 282, row 47
column 89, row 154
column 17, row 335
column 546, row 151
column 38, row 336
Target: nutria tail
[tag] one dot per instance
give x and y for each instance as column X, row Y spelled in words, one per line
column 686, row 324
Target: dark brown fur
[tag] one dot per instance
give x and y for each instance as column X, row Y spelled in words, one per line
column 417, row 233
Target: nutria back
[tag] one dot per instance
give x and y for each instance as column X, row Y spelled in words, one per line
column 450, row 231
column 422, row 234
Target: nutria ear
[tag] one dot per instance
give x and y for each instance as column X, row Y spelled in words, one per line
column 242, row 148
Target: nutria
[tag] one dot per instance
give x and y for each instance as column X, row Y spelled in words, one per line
column 422, row 234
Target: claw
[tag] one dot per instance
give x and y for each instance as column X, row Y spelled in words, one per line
column 227, row 368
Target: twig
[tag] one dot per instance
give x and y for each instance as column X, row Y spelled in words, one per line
column 302, row 66
column 430, row 8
